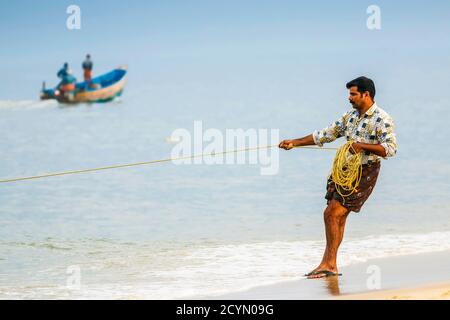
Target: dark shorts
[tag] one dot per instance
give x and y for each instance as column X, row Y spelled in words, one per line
column 355, row 201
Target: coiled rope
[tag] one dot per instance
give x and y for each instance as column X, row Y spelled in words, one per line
column 347, row 170
column 146, row 163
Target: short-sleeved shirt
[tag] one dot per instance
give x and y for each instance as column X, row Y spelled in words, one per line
column 376, row 126
column 87, row 64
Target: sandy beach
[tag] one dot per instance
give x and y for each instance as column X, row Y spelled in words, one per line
column 439, row 291
column 421, row 276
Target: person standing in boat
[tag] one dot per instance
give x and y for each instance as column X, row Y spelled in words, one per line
column 64, row 71
column 68, row 81
column 87, row 67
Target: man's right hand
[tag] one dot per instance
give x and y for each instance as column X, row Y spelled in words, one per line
column 286, row 144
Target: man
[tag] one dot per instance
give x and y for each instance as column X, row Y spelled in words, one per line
column 372, row 130
column 87, row 67
column 64, row 71
column 68, row 81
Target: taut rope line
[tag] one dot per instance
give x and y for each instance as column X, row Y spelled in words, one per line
column 146, row 163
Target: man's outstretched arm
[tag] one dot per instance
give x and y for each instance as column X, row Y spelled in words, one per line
column 318, row 137
column 357, row 146
column 289, row 144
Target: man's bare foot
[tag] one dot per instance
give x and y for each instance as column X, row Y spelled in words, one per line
column 320, row 267
column 322, row 271
column 323, row 274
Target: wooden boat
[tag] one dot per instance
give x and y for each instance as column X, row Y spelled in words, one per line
column 103, row 88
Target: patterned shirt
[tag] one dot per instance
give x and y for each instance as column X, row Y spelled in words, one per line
column 375, row 127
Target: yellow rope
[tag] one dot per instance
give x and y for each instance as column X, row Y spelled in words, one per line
column 145, row 163
column 347, row 170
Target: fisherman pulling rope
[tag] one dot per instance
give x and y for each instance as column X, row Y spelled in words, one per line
column 369, row 131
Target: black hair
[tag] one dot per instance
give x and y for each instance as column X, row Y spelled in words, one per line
column 363, row 84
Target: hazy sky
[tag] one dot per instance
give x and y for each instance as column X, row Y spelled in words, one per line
column 181, row 40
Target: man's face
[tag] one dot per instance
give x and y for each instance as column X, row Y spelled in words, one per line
column 355, row 97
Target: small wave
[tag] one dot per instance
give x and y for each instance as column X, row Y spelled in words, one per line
column 37, row 245
column 27, row 104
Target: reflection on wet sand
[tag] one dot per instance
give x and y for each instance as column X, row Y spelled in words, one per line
column 332, row 285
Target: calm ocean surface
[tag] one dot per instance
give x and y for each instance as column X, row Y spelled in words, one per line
column 175, row 231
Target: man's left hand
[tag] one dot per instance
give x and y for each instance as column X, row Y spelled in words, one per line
column 356, row 148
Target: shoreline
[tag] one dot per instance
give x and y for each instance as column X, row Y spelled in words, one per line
column 418, row 276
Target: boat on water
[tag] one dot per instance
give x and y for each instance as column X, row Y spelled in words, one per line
column 103, row 88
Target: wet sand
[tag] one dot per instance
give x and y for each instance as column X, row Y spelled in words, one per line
column 421, row 276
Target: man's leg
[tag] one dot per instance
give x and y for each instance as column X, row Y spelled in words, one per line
column 335, row 216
